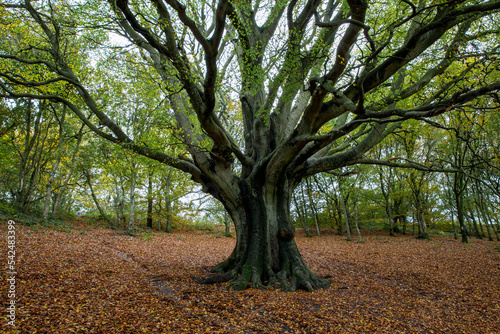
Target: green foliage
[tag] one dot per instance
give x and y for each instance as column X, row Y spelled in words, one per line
column 6, row 208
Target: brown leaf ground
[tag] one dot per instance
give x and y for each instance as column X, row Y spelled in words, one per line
column 101, row 281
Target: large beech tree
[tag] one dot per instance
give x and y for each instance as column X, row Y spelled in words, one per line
column 319, row 84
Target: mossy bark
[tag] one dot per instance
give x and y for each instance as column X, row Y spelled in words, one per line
column 266, row 255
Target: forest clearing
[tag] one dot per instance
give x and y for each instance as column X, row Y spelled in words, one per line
column 96, row 280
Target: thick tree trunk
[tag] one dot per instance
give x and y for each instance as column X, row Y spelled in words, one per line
column 266, row 254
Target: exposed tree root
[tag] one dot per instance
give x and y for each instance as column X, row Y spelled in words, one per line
column 289, row 278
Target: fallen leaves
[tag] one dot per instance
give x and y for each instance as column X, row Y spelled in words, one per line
column 102, row 282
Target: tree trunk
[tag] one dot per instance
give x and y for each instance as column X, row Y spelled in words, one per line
column 477, row 232
column 360, row 239
column 55, row 167
column 313, row 208
column 459, row 184
column 461, row 216
column 227, row 225
column 301, row 217
column 149, row 220
column 422, row 226
column 339, row 215
column 131, row 216
column 96, row 202
column 67, row 178
column 168, row 201
column 492, row 223
column 168, row 209
column 386, row 193
column 346, row 218
column 119, row 200
column 453, row 224
column 266, row 254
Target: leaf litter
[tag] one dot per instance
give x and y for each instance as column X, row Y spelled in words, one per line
column 102, row 281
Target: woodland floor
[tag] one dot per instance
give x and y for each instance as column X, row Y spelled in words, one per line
column 95, row 280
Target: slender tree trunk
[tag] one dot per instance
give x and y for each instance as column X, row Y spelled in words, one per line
column 301, row 217
column 338, row 208
column 477, row 233
column 390, row 217
column 169, row 218
column 29, row 163
column 67, row 178
column 131, row 217
column 55, row 167
column 313, row 208
column 346, row 218
column 386, row 192
column 168, row 201
column 119, row 200
column 149, row 222
column 360, row 239
column 422, row 226
column 116, row 201
column 459, row 184
column 461, row 216
column 481, row 211
column 453, row 224
column 103, row 214
column 492, row 223
column 227, row 225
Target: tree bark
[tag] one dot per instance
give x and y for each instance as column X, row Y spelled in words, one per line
column 68, row 176
column 422, row 225
column 131, row 216
column 103, row 214
column 227, row 225
column 386, row 193
column 149, row 219
column 313, row 208
column 301, row 217
column 168, row 201
column 460, row 212
column 346, row 216
column 55, row 167
column 477, row 232
column 266, row 254
column 356, row 223
column 453, row 224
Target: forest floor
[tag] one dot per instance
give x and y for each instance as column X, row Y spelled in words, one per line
column 95, row 280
